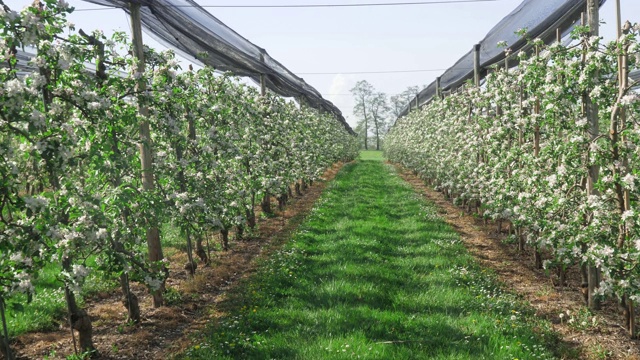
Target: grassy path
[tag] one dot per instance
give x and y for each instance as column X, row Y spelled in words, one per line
column 373, row 273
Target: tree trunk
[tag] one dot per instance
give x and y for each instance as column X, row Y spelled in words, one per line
column 78, row 318
column 537, row 258
column 266, row 203
column 202, row 254
column 584, row 282
column 521, row 240
column 224, row 234
column 5, row 348
column 594, row 303
column 282, row 202
column 562, row 276
column 155, row 255
column 251, row 215
column 297, row 186
column 130, row 300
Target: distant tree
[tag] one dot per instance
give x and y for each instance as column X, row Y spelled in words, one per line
column 363, row 93
column 398, row 102
column 360, row 130
column 379, row 109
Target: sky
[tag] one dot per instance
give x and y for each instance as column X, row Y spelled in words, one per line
column 341, row 43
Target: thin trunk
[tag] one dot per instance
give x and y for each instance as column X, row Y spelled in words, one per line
column 130, row 300
column 537, row 256
column 191, row 266
column 80, row 320
column 183, row 188
column 251, row 215
column 366, row 123
column 282, row 202
column 5, row 348
column 521, row 239
column 202, row 254
column 224, row 237
column 266, row 203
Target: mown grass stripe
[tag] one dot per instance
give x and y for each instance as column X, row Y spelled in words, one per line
column 372, row 273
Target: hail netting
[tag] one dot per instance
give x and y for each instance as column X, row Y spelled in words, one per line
column 541, row 18
column 191, row 30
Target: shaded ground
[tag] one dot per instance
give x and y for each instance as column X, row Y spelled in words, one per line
column 168, row 329
column 603, row 339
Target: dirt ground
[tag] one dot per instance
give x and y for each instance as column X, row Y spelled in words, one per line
column 606, row 339
column 169, row 329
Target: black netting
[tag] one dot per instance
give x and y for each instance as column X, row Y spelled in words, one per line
column 541, row 18
column 191, row 30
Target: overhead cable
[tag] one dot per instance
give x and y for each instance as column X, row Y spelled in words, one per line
column 298, row 6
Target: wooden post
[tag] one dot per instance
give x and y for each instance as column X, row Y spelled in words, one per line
column 506, row 62
column 263, row 83
column 266, row 200
column 438, row 87
column 153, row 235
column 591, row 110
column 618, row 122
column 476, row 64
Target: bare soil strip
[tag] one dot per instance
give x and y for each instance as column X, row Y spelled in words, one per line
column 169, row 329
column 605, row 340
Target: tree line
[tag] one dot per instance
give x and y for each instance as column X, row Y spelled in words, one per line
column 376, row 112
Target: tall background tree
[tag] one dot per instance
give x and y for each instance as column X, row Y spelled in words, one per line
column 363, row 92
column 376, row 111
column 379, row 109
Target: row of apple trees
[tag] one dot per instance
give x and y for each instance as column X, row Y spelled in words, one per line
column 553, row 148
column 70, row 170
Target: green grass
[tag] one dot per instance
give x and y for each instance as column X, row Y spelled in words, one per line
column 373, row 273
column 371, row 155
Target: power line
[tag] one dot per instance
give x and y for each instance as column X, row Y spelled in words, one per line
column 370, row 72
column 436, row 2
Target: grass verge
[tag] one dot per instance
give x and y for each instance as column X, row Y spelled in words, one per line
column 373, row 273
